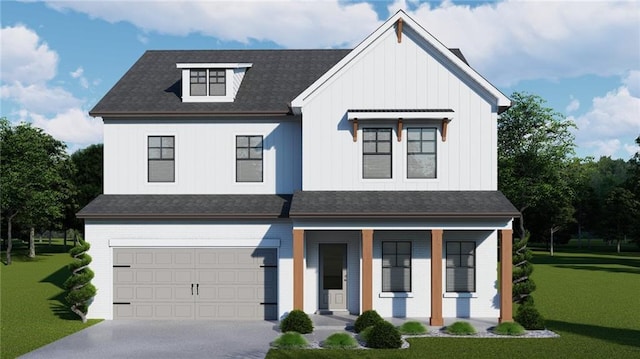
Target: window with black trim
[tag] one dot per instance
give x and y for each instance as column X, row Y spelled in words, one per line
column 376, row 153
column 461, row 266
column 396, row 266
column 421, row 153
column 161, row 158
column 208, row 82
column 248, row 158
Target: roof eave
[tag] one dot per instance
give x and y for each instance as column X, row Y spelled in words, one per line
column 127, row 114
column 179, row 216
column 403, row 215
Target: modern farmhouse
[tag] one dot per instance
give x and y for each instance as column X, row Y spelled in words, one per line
column 242, row 184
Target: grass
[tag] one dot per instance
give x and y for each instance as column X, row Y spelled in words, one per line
column 460, row 328
column 588, row 296
column 509, row 328
column 340, row 341
column 412, row 328
column 32, row 305
column 290, row 340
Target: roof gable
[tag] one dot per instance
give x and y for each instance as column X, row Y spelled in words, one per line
column 401, row 24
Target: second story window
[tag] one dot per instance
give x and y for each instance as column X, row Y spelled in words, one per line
column 207, row 82
column 376, row 153
column 161, row 159
column 248, row 158
column 421, row 153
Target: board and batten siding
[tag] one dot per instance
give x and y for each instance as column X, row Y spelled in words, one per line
column 205, row 156
column 406, row 75
column 104, row 235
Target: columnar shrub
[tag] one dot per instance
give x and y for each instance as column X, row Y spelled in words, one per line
column 297, row 321
column 529, row 317
column 367, row 319
column 81, row 291
column 523, row 285
column 384, row 335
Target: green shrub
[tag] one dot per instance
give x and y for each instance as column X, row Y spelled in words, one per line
column 529, row 317
column 290, row 340
column 384, row 335
column 509, row 328
column 364, row 333
column 340, row 341
column 461, row 328
column 412, row 328
column 297, row 321
column 367, row 319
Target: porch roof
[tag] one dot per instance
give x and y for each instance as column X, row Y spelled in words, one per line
column 192, row 206
column 401, row 204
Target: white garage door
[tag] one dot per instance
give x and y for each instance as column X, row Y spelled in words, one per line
column 195, row 283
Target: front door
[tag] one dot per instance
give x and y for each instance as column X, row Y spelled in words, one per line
column 333, row 277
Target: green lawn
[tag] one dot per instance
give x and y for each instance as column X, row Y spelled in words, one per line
column 33, row 311
column 590, row 299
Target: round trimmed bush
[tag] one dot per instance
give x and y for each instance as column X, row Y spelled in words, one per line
column 290, row 340
column 297, row 321
column 529, row 317
column 384, row 335
column 364, row 333
column 340, row 341
column 412, row 328
column 509, row 328
column 461, row 328
column 367, row 319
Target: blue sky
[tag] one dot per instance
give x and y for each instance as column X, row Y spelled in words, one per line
column 58, row 58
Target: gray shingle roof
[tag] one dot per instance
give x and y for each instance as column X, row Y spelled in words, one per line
column 401, row 204
column 187, row 206
column 153, row 84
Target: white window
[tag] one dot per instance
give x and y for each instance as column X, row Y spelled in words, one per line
column 161, row 158
column 216, row 83
column 461, row 266
column 211, row 82
column 396, row 266
column 376, row 153
column 248, row 158
column 421, row 153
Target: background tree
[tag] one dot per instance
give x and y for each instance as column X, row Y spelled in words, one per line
column 31, row 177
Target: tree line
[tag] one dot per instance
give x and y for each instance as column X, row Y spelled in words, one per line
column 41, row 185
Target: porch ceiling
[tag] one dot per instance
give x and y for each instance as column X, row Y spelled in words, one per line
column 401, row 204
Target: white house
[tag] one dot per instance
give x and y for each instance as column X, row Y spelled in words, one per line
column 242, row 184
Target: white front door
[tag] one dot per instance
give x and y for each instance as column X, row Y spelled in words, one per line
column 333, row 277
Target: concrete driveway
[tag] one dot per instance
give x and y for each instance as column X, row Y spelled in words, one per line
column 164, row 339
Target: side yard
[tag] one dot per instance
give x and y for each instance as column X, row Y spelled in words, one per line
column 590, row 299
column 33, row 311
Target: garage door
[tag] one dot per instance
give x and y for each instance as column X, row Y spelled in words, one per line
column 202, row 283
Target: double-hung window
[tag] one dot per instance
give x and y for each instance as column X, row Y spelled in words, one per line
column 248, row 158
column 421, row 153
column 207, row 82
column 396, row 266
column 161, row 158
column 461, row 266
column 376, row 153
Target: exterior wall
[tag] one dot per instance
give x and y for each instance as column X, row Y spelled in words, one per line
column 312, row 268
column 417, row 302
column 406, row 75
column 205, row 159
column 485, row 302
column 105, row 235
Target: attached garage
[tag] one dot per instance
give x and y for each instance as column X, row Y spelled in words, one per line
column 195, row 283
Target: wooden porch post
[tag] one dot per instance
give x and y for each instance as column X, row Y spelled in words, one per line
column 506, row 275
column 436, row 278
column 298, row 269
column 367, row 269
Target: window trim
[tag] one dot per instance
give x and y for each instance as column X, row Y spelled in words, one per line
column 421, row 141
column 382, row 266
column 475, row 265
column 249, row 158
column 376, row 141
column 149, row 160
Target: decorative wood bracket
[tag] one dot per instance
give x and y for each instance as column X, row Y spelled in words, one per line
column 399, row 30
column 445, row 123
column 355, row 130
column 399, row 130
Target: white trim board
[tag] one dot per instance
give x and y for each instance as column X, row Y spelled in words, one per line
column 123, row 242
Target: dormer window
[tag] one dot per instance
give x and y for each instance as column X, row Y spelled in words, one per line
column 211, row 82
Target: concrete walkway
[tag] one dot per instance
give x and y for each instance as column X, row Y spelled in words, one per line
column 164, row 339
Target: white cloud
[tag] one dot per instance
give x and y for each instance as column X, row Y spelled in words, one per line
column 631, row 149
column 573, row 105
column 611, row 124
column 632, row 82
column 25, row 58
column 29, row 68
